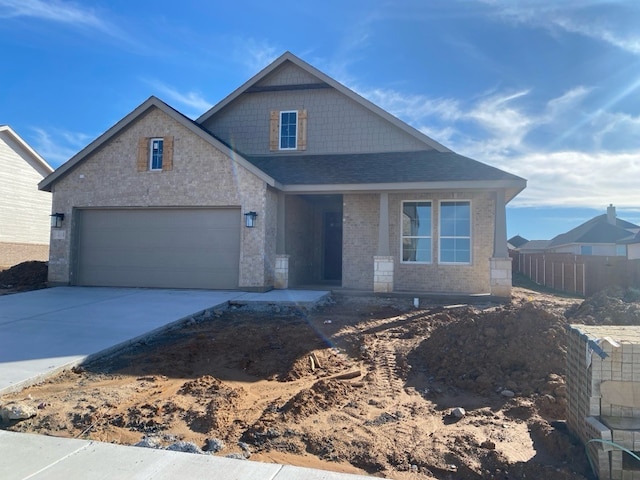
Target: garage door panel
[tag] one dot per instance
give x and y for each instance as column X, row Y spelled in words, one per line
column 173, row 248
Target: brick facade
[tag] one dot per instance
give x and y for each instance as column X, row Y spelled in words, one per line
column 201, row 176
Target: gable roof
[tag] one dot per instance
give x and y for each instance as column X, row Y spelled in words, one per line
column 426, row 169
column 534, row 245
column 517, row 241
column 596, row 230
column 290, row 57
column 39, row 163
column 151, row 102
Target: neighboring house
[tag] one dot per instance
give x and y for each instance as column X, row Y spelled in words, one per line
column 516, row 242
column 602, row 235
column 534, row 246
column 631, row 246
column 291, row 180
column 24, row 210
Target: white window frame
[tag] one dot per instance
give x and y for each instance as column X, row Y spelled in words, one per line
column 295, row 137
column 441, row 237
column 402, row 236
column 151, row 142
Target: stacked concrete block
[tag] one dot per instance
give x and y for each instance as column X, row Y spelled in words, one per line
column 603, row 376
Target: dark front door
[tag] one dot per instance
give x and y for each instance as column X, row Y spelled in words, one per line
column 332, row 226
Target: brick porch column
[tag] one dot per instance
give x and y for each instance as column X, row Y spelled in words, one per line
column 500, row 262
column 281, row 280
column 383, row 261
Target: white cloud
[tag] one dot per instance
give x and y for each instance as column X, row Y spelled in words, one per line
column 255, row 54
column 191, row 100
column 57, row 146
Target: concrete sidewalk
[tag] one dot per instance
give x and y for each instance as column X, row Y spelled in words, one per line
column 44, row 331
column 36, row 457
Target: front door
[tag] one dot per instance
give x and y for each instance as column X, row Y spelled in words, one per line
column 332, row 227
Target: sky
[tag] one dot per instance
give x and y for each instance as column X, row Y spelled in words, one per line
column 546, row 90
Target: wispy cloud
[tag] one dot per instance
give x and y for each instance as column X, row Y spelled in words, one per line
column 66, row 13
column 57, row 146
column 612, row 22
column 191, row 100
column 255, row 54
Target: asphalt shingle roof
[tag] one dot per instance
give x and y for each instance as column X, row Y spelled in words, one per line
column 362, row 168
column 596, row 230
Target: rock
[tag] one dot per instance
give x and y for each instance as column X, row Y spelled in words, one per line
column 246, row 451
column 236, row 456
column 148, row 443
column 508, row 393
column 186, row 447
column 458, row 412
column 214, row 445
column 17, row 411
column 488, row 444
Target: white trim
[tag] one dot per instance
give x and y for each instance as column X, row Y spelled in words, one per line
column 150, row 159
column 402, row 236
column 471, row 234
column 295, row 137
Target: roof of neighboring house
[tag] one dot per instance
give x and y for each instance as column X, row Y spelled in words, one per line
column 535, row 245
column 596, row 230
column 40, row 163
column 375, row 171
column 517, row 241
column 628, row 241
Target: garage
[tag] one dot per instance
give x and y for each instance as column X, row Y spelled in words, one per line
column 161, row 248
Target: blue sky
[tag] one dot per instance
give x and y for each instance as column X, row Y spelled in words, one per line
column 548, row 90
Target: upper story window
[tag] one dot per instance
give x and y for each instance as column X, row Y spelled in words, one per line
column 455, row 232
column 416, row 232
column 155, row 154
column 156, row 148
column 288, row 130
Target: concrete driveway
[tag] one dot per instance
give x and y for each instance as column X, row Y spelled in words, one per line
column 43, row 331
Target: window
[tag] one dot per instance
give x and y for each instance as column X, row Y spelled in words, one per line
column 156, row 147
column 621, row 250
column 455, row 232
column 288, row 130
column 155, row 154
column 586, row 250
column 416, row 232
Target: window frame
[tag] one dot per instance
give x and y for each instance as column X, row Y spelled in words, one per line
column 295, row 135
column 151, row 154
column 403, row 236
column 454, row 237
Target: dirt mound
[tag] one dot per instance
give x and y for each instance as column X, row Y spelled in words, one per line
column 323, row 395
column 27, row 274
column 613, row 306
column 484, row 352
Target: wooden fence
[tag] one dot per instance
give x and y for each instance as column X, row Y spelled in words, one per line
column 577, row 274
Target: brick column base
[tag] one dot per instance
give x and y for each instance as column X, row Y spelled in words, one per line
column 382, row 274
column 501, row 280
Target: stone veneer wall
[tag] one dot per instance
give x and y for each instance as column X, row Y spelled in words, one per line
column 201, row 176
column 361, row 214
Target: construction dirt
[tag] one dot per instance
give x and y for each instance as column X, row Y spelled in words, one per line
column 362, row 385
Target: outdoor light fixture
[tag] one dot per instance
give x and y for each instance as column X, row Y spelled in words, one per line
column 56, row 220
column 250, row 219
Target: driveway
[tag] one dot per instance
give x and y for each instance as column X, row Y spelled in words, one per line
column 43, row 331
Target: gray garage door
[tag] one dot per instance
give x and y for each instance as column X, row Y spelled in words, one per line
column 167, row 248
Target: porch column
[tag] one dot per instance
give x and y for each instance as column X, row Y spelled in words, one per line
column 500, row 262
column 281, row 271
column 383, row 262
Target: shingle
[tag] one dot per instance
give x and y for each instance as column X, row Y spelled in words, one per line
column 418, row 166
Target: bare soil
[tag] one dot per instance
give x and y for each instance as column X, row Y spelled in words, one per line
column 360, row 385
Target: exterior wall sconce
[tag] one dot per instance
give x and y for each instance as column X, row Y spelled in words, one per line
column 57, row 219
column 250, row 219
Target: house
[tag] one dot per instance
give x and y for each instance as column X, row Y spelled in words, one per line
column 291, row 180
column 534, row 246
column 602, row 235
column 24, row 210
column 631, row 246
column 516, row 241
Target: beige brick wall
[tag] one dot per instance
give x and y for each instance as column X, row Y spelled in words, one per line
column 361, row 239
column 14, row 253
column 201, row 176
column 335, row 123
